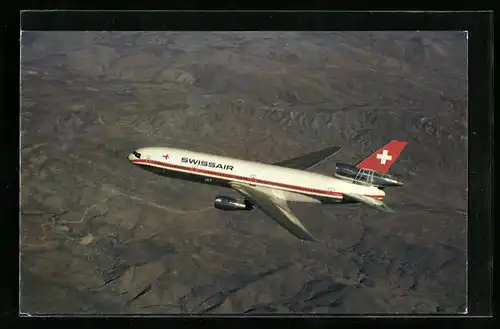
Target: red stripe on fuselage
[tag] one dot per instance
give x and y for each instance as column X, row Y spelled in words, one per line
column 243, row 178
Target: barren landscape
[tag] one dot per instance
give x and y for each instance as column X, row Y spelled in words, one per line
column 100, row 236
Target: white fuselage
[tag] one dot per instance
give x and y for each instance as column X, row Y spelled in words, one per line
column 284, row 183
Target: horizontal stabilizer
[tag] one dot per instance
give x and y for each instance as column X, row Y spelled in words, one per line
column 377, row 204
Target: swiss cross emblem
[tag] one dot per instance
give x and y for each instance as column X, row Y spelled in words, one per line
column 166, row 156
column 384, row 157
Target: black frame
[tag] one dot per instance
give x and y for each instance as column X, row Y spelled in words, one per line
column 480, row 31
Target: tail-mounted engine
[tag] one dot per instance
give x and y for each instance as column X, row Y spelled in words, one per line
column 228, row 203
column 365, row 176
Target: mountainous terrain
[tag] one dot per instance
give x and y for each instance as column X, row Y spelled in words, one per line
column 102, row 236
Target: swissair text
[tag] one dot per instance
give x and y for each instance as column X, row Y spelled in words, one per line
column 207, row 164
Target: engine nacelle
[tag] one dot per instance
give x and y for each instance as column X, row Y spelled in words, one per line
column 365, row 176
column 228, row 203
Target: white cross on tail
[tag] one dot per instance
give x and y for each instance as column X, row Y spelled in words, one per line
column 384, row 157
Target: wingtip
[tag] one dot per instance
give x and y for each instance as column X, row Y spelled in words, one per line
column 388, row 209
column 310, row 239
column 336, row 149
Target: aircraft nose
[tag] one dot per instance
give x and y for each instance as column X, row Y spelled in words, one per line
column 134, row 156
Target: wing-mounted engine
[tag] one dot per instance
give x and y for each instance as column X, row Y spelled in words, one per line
column 365, row 176
column 229, row 204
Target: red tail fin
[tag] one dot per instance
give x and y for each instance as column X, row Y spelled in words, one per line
column 383, row 159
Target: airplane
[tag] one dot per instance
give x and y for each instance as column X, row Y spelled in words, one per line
column 270, row 187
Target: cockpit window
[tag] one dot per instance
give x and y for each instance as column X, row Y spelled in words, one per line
column 137, row 154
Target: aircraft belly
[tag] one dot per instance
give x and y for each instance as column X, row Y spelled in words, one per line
column 297, row 197
column 287, row 195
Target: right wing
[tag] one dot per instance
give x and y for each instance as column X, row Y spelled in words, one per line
column 377, row 204
column 308, row 160
column 274, row 208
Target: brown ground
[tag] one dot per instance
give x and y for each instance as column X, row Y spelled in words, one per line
column 100, row 235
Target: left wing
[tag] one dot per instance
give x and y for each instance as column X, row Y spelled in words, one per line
column 308, row 160
column 377, row 204
column 274, row 208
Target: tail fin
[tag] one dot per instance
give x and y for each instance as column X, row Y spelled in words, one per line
column 383, row 158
